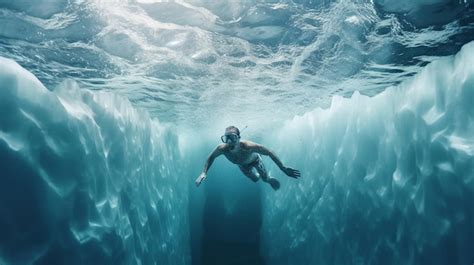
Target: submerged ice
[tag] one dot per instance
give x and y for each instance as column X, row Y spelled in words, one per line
column 387, row 179
column 85, row 178
column 116, row 104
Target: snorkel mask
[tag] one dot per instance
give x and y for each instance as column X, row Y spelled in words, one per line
column 230, row 138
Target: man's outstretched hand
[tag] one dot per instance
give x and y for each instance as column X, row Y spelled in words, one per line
column 200, row 179
column 292, row 172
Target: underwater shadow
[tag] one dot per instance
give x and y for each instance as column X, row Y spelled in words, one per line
column 231, row 226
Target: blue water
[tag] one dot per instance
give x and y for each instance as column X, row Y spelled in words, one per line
column 110, row 108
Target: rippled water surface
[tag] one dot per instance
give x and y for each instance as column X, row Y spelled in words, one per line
column 195, row 62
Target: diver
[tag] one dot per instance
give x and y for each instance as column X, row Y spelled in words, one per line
column 246, row 155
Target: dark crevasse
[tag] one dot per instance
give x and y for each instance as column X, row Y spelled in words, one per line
column 225, row 213
column 231, row 237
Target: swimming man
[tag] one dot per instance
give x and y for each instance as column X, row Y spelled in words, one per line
column 246, row 155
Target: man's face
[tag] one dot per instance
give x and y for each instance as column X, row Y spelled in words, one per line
column 231, row 137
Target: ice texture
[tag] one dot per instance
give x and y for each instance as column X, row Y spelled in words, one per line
column 85, row 178
column 387, row 179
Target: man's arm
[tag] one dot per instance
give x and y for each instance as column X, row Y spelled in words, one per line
column 217, row 152
column 265, row 151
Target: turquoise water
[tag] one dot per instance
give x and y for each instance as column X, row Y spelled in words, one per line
column 109, row 110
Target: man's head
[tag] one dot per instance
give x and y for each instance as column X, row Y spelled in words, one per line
column 231, row 135
column 232, row 130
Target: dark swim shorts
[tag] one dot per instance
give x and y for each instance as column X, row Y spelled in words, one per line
column 257, row 164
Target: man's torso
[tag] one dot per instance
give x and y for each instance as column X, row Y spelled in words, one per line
column 241, row 156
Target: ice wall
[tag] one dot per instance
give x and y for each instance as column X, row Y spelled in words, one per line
column 385, row 180
column 85, row 178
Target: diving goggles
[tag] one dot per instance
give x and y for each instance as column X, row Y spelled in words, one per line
column 230, row 138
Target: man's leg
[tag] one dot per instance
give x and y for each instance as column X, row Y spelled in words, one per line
column 247, row 170
column 262, row 171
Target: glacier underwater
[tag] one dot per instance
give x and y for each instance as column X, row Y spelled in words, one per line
column 109, row 110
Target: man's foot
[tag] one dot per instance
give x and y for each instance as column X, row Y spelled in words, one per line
column 274, row 183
